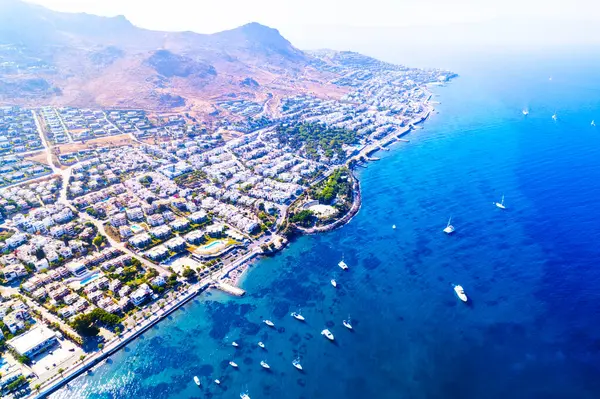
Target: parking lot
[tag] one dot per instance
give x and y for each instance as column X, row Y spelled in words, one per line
column 60, row 355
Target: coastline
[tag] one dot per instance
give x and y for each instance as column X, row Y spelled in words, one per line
column 240, row 267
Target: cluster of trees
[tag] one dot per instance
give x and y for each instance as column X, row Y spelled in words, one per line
column 315, row 137
column 303, row 218
column 145, row 181
column 86, row 324
column 337, row 184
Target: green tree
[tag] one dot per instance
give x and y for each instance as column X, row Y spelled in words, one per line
column 81, row 358
column 61, row 371
column 101, row 347
column 98, row 240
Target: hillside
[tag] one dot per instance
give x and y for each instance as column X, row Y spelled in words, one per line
column 54, row 58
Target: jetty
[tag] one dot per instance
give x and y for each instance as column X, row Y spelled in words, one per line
column 230, row 289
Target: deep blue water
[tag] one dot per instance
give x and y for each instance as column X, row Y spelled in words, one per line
column 532, row 272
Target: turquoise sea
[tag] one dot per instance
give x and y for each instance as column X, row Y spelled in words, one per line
column 532, row 272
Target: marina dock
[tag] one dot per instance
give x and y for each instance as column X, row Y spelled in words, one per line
column 230, row 289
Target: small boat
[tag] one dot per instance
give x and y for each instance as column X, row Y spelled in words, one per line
column 233, row 364
column 347, row 324
column 327, row 334
column 297, row 364
column 343, row 265
column 593, row 123
column 244, row 396
column 333, row 282
column 554, row 117
column 264, row 365
column 261, row 345
column 501, row 204
column 218, row 382
column 460, row 292
column 449, row 228
column 393, row 226
column 269, row 323
column 235, row 344
column 297, row 316
column 525, row 112
column 197, row 380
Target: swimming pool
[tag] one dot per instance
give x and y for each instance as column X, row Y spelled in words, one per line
column 213, row 244
column 89, row 279
column 136, row 228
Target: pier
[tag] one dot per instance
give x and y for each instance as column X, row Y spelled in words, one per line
column 230, row 289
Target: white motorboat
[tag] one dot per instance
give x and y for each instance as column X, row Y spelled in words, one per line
column 197, row 380
column 297, row 316
column 525, row 112
column 333, row 282
column 327, row 334
column 235, row 344
column 449, row 228
column 593, row 123
column 347, row 324
column 269, row 323
column 500, row 204
column 244, row 396
column 555, row 117
column 460, row 292
column 233, row 364
column 218, row 382
column 264, row 365
column 260, row 344
column 297, row 364
column 393, row 226
column 343, row 265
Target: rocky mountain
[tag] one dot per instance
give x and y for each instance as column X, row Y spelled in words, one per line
column 55, row 58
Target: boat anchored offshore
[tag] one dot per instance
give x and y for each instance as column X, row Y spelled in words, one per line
column 233, row 364
column 297, row 316
column 500, row 204
column 235, row 344
column 393, row 226
column 260, row 344
column 218, row 382
column 333, row 282
column 264, row 365
column 343, row 265
column 269, row 323
column 555, row 117
column 347, row 324
column 197, row 380
column 297, row 364
column 449, row 228
column 460, row 292
column 327, row 334
column 525, row 112
column 593, row 123
column 244, row 395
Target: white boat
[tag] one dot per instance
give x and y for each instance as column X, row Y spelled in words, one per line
column 555, row 117
column 347, row 324
column 460, row 292
column 297, row 364
column 500, row 204
column 235, row 344
column 264, row 365
column 449, row 228
column 297, row 316
column 197, row 380
column 525, row 112
column 269, row 323
column 393, row 226
column 261, row 345
column 244, row 396
column 333, row 282
column 343, row 265
column 327, row 334
column 218, row 382
column 233, row 364
column 593, row 123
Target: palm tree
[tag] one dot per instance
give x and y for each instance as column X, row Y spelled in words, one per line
column 81, row 358
column 61, row 371
column 37, row 387
column 101, row 347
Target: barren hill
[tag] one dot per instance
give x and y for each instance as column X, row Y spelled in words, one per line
column 54, row 58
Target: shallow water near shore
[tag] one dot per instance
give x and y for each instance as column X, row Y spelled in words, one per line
column 531, row 272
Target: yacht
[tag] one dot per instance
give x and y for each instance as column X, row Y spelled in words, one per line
column 525, row 112
column 343, row 265
column 449, row 228
column 218, row 382
column 244, row 396
column 333, row 282
column 554, row 117
column 233, row 364
column 393, row 226
column 235, row 344
column 197, row 380
column 260, row 344
column 297, row 316
column 269, row 323
column 593, row 123
column 501, row 204
column 327, row 334
column 297, row 364
column 264, row 365
column 347, row 324
column 460, row 292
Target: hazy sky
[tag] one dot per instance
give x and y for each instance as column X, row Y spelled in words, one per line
column 371, row 26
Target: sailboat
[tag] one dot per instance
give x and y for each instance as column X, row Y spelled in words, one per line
column 297, row 316
column 235, row 344
column 269, row 323
column 593, row 123
column 327, row 334
column 264, row 365
column 449, row 228
column 297, row 364
column 525, row 112
column 244, row 395
column 554, row 117
column 197, row 380
column 500, row 204
column 233, row 364
column 218, row 382
column 347, row 323
column 460, row 292
column 260, row 344
column 334, row 283
column 343, row 265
